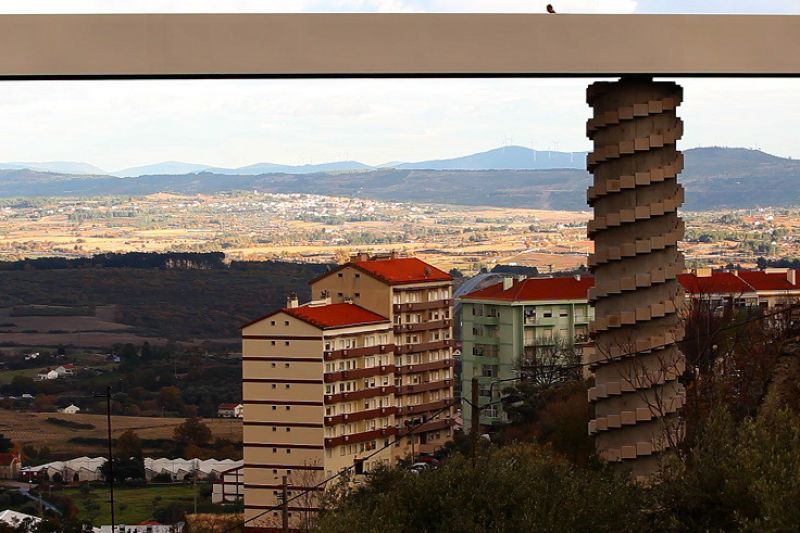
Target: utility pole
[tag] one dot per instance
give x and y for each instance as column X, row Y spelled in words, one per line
column 285, row 506
column 110, row 457
column 476, row 420
column 110, row 454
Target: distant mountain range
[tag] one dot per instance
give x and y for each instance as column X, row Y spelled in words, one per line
column 714, row 178
column 505, row 158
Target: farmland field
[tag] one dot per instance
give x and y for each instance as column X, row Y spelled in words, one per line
column 132, row 505
column 33, row 429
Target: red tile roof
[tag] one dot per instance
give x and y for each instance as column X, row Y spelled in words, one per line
column 335, row 315
column 768, row 281
column 395, row 271
column 228, row 406
column 537, row 289
column 716, row 283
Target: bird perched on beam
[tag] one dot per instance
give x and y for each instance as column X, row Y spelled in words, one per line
column 550, row 8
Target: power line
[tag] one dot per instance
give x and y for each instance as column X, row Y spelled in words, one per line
column 343, row 471
column 689, row 339
column 454, row 402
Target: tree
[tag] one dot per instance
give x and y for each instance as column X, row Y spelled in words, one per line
column 129, row 444
column 193, row 432
column 170, row 399
column 516, row 488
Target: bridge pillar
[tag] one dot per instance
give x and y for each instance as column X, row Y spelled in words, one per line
column 637, row 298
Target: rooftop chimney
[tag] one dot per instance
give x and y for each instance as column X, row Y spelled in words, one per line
column 508, row 283
column 292, row 300
column 791, row 276
column 577, row 277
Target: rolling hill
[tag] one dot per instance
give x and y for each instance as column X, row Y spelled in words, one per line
column 714, row 178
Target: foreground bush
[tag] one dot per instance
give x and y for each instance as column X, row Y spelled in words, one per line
column 520, row 487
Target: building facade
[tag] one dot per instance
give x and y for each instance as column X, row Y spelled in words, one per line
column 507, row 325
column 504, row 325
column 344, row 382
column 417, row 299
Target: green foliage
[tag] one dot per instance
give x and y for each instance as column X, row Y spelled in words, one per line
column 736, row 477
column 517, row 488
column 193, row 433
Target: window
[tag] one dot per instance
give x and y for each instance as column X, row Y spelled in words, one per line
column 285, row 322
column 358, row 295
column 358, row 275
column 340, row 275
column 286, row 343
column 489, row 371
column 547, row 312
column 274, row 386
column 563, row 311
column 271, row 322
column 272, row 342
column 273, row 365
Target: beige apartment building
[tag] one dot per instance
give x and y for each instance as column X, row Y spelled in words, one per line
column 418, row 300
column 338, row 382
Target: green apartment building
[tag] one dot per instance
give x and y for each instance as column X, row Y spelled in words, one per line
column 507, row 323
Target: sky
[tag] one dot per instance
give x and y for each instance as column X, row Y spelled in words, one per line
column 118, row 124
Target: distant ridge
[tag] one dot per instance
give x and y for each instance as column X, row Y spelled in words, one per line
column 504, row 158
column 714, row 178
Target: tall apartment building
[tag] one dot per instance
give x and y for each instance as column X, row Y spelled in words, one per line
column 319, row 395
column 341, row 381
column 417, row 298
column 504, row 324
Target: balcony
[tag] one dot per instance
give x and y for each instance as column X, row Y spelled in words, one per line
column 361, row 415
column 424, row 346
column 422, row 306
column 360, row 437
column 422, row 367
column 424, row 387
column 423, row 407
column 433, row 425
column 486, row 320
column 423, row 326
column 331, row 355
column 360, row 394
column 357, row 373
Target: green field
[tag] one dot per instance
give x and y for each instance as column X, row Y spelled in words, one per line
column 132, row 505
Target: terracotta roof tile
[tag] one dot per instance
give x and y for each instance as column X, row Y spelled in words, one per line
column 716, row 283
column 768, row 281
column 537, row 289
column 401, row 270
column 335, row 315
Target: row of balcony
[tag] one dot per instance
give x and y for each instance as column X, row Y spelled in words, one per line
column 424, row 387
column 424, row 346
column 432, row 425
column 360, row 437
column 360, row 394
column 423, row 407
column 357, row 373
column 361, row 415
column 331, row 355
column 423, row 326
column 550, row 320
column 422, row 306
column 423, row 367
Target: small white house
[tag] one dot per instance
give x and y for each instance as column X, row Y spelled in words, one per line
column 47, row 373
column 71, row 409
column 230, row 410
column 66, row 370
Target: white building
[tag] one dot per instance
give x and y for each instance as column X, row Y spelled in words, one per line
column 142, row 527
column 71, row 409
column 15, row 519
column 229, row 488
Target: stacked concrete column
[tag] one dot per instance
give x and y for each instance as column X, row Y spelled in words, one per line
column 636, row 261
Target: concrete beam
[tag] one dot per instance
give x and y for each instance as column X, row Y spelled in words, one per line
column 311, row 45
